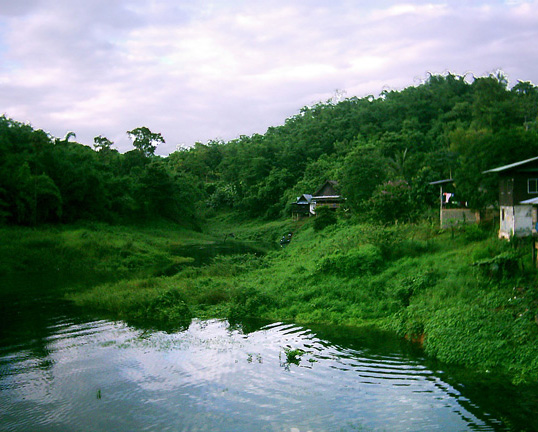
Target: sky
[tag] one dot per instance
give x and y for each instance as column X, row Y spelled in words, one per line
column 196, row 71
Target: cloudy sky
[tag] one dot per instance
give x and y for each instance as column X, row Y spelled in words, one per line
column 218, row 69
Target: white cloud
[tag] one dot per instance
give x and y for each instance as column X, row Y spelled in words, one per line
column 225, row 69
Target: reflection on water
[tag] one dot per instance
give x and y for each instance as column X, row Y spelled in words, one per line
column 204, row 253
column 71, row 373
column 106, row 376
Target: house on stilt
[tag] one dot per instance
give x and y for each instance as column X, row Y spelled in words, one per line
column 327, row 195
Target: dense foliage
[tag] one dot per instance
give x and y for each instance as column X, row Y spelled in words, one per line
column 47, row 180
column 448, row 126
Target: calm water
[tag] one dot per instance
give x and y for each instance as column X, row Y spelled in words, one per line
column 204, row 253
column 64, row 372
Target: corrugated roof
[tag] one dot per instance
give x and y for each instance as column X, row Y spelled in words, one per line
column 530, row 201
column 304, row 198
column 513, row 165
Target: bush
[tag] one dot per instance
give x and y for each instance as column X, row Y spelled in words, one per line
column 364, row 259
column 504, row 264
column 387, row 239
column 469, row 335
column 391, row 202
column 169, row 310
column 412, row 248
column 249, row 303
column 324, row 217
column 474, row 232
column 208, row 291
column 412, row 285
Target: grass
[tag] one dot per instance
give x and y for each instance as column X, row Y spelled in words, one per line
column 121, row 250
column 467, row 297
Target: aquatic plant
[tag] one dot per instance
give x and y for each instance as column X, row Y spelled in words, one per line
column 293, row 355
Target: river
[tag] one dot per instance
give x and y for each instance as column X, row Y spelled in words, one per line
column 61, row 370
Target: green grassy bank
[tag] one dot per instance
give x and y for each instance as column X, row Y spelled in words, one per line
column 469, row 298
column 120, row 251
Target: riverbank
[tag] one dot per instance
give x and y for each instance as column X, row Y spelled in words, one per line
column 121, row 251
column 467, row 297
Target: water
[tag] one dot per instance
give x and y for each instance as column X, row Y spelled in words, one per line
column 60, row 371
column 204, row 253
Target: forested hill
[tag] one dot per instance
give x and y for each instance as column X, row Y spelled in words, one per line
column 382, row 150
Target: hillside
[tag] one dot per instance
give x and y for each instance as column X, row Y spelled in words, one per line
column 447, row 126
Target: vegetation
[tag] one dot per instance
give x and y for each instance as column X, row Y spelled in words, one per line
column 467, row 297
column 392, row 145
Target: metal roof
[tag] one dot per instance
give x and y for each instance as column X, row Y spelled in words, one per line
column 513, row 165
column 530, row 201
column 307, row 199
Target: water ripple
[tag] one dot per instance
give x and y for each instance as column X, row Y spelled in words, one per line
column 107, row 376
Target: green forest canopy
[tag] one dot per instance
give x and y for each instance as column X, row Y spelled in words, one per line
column 394, row 144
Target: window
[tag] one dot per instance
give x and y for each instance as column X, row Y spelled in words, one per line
column 532, row 186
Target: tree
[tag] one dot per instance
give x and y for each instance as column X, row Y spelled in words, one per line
column 492, row 103
column 391, row 201
column 527, row 96
column 102, row 144
column 70, row 135
column 397, row 165
column 145, row 141
column 364, row 169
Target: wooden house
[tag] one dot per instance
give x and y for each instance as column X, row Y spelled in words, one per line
column 303, row 207
column 327, row 195
column 452, row 210
column 518, row 197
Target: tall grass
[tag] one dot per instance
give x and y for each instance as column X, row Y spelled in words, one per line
column 121, row 250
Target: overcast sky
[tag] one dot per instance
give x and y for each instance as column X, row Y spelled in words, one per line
column 218, row 69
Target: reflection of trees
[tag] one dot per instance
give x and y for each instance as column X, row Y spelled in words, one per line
column 487, row 397
column 29, row 306
column 515, row 406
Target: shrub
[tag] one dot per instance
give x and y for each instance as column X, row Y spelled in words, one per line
column 391, row 202
column 412, row 285
column 249, row 303
column 209, row 291
column 489, row 249
column 409, row 323
column 170, row 310
column 411, row 248
column 470, row 336
column 501, row 265
column 324, row 217
column 364, row 259
column 387, row 239
column 474, row 232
